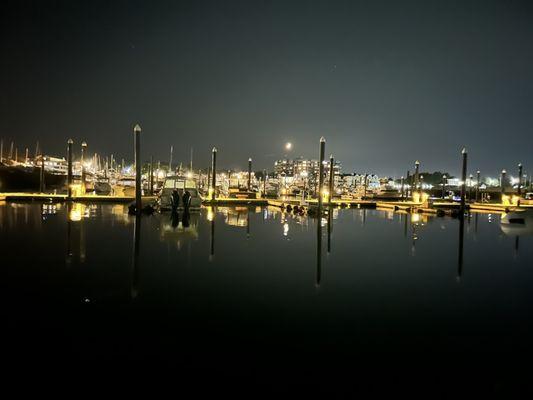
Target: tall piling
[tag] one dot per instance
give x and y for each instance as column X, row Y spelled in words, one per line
column 502, row 181
column 322, row 150
column 417, row 167
column 213, row 172
column 478, row 179
column 520, row 179
column 41, row 177
column 249, row 174
column 151, row 175
column 264, row 182
column 331, row 177
column 138, row 164
column 408, row 180
column 463, row 179
column 83, row 172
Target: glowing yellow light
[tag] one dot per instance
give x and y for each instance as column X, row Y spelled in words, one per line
column 210, row 214
column 288, row 146
column 76, row 212
column 76, row 189
column 415, row 218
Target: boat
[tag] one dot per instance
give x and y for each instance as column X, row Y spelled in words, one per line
column 517, row 222
column 125, row 186
column 102, row 186
column 27, row 178
column 181, row 184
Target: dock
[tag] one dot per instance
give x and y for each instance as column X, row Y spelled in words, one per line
column 437, row 207
column 87, row 198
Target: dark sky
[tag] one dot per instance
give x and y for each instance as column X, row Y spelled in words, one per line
column 386, row 82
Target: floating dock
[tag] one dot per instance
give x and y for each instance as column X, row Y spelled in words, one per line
column 404, row 206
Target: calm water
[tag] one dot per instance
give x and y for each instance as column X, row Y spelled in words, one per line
column 249, row 290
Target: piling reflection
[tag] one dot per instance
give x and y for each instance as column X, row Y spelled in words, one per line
column 461, row 245
column 318, row 276
column 330, row 219
column 212, row 241
column 135, row 257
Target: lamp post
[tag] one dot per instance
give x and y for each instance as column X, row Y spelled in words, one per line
column 444, row 177
column 502, row 181
column 401, row 190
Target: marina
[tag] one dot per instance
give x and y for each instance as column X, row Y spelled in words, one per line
column 226, row 199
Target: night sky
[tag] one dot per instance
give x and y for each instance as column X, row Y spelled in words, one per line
column 386, row 82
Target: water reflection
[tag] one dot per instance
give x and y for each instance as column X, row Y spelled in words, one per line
column 461, row 245
column 318, row 277
column 135, row 257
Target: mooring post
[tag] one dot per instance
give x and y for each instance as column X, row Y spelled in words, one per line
column 83, row 173
column 213, row 172
column 463, row 180
column 470, row 187
column 69, row 168
column 417, row 166
column 408, row 180
column 138, row 162
column 321, row 174
column 151, row 175
column 331, row 177
column 264, row 182
column 250, row 174
column 478, row 173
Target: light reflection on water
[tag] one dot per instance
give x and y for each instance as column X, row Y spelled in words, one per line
column 354, row 276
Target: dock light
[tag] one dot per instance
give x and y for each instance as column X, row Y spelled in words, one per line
column 189, row 175
column 506, row 200
column 210, row 213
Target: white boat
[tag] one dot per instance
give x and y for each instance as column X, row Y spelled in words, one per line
column 182, row 185
column 517, row 222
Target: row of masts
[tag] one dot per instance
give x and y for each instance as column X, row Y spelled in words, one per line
column 99, row 163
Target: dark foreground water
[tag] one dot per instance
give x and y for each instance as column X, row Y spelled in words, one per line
column 256, row 295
